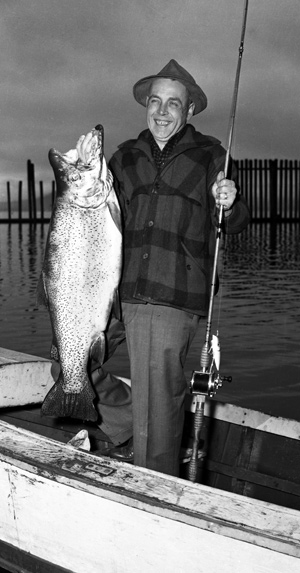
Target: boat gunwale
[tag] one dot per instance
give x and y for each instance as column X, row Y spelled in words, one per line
column 218, row 511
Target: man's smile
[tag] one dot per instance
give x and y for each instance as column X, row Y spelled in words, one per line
column 162, row 122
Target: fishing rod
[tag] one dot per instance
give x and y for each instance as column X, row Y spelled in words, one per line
column 204, row 354
column 207, row 381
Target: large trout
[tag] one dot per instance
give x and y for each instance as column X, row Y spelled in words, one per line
column 80, row 274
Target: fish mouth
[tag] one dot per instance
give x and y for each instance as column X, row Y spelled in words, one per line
column 96, row 150
column 72, row 164
column 83, row 182
column 99, row 132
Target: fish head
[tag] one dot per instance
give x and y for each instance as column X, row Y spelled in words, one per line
column 81, row 182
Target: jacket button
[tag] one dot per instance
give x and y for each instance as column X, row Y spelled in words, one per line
column 188, row 267
column 150, row 224
column 145, row 256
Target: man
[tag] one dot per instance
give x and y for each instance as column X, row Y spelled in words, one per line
column 170, row 183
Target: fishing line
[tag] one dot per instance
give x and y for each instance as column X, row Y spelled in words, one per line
column 205, row 350
column 222, row 263
column 229, row 147
column 221, row 274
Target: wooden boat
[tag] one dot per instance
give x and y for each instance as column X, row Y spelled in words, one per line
column 67, row 509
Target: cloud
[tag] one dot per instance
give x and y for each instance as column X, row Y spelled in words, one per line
column 67, row 65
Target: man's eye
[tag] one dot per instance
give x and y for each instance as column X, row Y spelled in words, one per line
column 174, row 104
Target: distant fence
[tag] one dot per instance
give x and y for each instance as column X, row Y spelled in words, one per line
column 30, row 206
column 271, row 188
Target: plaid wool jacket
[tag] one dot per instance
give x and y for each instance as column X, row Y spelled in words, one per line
column 169, row 220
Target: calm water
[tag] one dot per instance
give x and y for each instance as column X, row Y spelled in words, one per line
column 256, row 313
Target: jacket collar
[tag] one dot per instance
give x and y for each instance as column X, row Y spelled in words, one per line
column 191, row 139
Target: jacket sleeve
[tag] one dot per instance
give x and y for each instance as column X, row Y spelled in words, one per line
column 238, row 218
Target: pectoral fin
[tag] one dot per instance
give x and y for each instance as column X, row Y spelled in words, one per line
column 97, row 349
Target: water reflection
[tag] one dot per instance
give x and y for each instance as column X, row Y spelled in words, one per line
column 21, row 249
column 266, row 246
column 22, row 326
column 256, row 312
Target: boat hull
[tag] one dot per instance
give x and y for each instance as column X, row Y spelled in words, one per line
column 64, row 509
column 82, row 512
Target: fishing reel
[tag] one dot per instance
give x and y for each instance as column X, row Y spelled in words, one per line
column 207, row 383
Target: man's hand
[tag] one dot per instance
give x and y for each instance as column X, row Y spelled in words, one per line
column 224, row 191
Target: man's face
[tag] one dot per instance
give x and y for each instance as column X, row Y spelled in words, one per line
column 168, row 109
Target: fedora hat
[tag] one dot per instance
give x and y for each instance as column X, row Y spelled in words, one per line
column 172, row 71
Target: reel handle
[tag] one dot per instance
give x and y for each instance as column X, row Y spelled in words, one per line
column 207, row 383
column 226, row 379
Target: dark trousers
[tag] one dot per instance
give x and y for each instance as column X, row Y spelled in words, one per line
column 158, row 340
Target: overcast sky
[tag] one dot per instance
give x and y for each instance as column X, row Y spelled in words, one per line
column 67, row 65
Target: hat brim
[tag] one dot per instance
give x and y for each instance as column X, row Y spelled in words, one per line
column 142, row 87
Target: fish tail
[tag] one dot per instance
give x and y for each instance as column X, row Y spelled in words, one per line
column 59, row 403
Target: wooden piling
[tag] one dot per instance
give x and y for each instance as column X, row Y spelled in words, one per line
column 42, row 199
column 8, row 201
column 33, row 197
column 29, row 189
column 296, row 183
column 20, row 200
